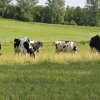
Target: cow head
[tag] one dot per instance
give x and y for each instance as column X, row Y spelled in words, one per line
column 16, row 42
column 36, row 45
column 66, row 41
column 39, row 44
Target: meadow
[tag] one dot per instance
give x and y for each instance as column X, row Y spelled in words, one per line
column 49, row 76
column 9, row 29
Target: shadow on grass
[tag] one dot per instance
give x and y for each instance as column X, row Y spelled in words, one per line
column 49, row 65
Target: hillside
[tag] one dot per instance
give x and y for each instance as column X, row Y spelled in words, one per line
column 9, row 29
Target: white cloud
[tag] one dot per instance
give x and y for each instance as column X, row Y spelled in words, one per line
column 74, row 3
column 42, row 2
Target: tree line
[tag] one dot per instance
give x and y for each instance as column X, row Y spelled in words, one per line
column 54, row 12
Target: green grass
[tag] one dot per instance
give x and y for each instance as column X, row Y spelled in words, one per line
column 9, row 29
column 49, row 76
column 49, row 80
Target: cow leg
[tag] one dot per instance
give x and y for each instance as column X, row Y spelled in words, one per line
column 32, row 55
column 91, row 49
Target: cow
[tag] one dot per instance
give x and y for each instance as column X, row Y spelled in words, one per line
column 37, row 45
column 0, row 48
column 66, row 46
column 95, row 43
column 23, row 46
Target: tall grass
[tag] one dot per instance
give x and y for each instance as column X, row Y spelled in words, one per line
column 47, row 53
column 58, row 58
column 50, row 77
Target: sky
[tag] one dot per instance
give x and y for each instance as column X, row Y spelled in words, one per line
column 74, row 3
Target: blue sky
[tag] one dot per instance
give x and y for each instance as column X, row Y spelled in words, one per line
column 74, row 3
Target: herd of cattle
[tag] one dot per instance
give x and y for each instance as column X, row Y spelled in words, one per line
column 25, row 46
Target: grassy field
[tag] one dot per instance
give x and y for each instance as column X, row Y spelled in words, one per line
column 9, row 29
column 50, row 76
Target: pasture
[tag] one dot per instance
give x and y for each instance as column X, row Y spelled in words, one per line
column 9, row 29
column 50, row 76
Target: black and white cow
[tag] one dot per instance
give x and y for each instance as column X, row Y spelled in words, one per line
column 95, row 43
column 66, row 46
column 37, row 45
column 23, row 46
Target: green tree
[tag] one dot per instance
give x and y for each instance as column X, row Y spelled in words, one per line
column 78, row 15
column 25, row 9
column 57, row 10
column 41, row 14
column 3, row 6
column 46, row 15
column 37, row 13
column 94, row 11
column 85, row 17
column 69, row 15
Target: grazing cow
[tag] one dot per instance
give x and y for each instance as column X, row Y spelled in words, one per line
column 36, row 45
column 0, row 48
column 95, row 43
column 66, row 46
column 23, row 46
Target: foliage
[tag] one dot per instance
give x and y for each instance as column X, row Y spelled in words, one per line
column 56, row 10
column 25, row 9
column 3, row 6
column 94, row 9
column 53, row 12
